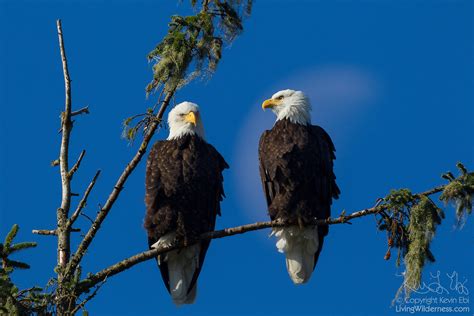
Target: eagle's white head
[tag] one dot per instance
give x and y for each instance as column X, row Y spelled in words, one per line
column 290, row 104
column 184, row 119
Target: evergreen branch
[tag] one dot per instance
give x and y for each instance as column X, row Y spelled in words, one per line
column 10, row 236
column 21, row 246
column 15, row 264
column 125, row 264
column 195, row 40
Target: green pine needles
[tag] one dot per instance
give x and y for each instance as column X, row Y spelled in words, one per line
column 12, row 300
column 196, row 41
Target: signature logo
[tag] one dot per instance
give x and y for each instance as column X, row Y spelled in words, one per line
column 449, row 283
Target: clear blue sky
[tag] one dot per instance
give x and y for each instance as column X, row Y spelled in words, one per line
column 391, row 81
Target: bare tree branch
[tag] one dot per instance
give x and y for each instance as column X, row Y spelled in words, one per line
column 76, row 165
column 52, row 232
column 83, row 201
column 86, row 241
column 84, row 110
column 125, row 264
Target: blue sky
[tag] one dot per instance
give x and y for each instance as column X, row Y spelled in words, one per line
column 391, row 81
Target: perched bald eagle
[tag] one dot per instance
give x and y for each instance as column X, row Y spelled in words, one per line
column 296, row 168
column 184, row 187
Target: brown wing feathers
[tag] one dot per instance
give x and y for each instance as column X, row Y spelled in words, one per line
column 296, row 167
column 184, row 187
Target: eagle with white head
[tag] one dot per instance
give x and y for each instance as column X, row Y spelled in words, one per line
column 184, row 188
column 296, row 168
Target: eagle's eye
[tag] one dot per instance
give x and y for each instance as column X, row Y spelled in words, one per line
column 280, row 97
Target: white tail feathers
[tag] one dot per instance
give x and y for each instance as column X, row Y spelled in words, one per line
column 181, row 267
column 299, row 246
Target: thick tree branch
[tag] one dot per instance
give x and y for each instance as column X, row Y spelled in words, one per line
column 81, row 250
column 125, row 264
column 83, row 201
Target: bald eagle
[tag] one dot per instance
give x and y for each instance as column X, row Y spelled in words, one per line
column 184, row 187
column 296, row 168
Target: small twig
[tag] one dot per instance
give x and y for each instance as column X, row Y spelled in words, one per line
column 76, row 165
column 378, row 201
column 52, row 231
column 44, row 232
column 83, row 201
column 84, row 110
column 55, row 163
column 88, row 298
column 159, row 100
column 88, row 217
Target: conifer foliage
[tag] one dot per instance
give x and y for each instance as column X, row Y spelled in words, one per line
column 12, row 300
column 196, row 40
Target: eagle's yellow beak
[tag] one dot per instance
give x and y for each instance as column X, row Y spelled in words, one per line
column 270, row 103
column 191, row 117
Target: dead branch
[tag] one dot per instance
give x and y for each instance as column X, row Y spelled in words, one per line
column 84, row 110
column 83, row 201
column 76, row 165
column 52, row 232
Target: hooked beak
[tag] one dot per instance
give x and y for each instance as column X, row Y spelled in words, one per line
column 191, row 117
column 270, row 103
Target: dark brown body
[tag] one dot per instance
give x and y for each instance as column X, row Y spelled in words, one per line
column 296, row 168
column 184, row 187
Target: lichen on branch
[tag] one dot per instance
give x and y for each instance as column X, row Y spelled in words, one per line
column 459, row 191
column 425, row 216
column 410, row 221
